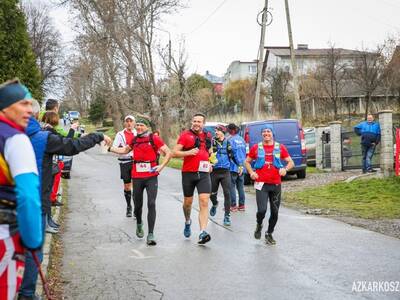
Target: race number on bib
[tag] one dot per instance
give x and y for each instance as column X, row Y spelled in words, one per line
column 258, row 185
column 143, row 167
column 204, row 166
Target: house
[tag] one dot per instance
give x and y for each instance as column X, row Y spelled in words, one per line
column 218, row 82
column 240, row 70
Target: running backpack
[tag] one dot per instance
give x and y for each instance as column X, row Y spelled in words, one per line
column 228, row 148
column 198, row 141
column 260, row 161
column 151, row 141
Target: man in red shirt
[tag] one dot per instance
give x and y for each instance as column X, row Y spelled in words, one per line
column 145, row 147
column 123, row 138
column 194, row 145
column 269, row 169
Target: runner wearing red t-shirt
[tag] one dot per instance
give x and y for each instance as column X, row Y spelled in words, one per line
column 194, row 146
column 269, row 169
column 145, row 147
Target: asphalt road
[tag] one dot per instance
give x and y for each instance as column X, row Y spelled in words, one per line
column 315, row 257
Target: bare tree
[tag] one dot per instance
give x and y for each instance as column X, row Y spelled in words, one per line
column 331, row 74
column 367, row 71
column 46, row 44
column 278, row 81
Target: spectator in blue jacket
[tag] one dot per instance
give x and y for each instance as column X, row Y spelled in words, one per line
column 370, row 133
column 220, row 173
column 238, row 157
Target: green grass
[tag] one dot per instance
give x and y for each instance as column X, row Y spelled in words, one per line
column 314, row 170
column 175, row 163
column 369, row 199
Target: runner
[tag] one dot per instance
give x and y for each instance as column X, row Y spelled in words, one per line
column 122, row 139
column 20, row 211
column 194, row 146
column 220, row 173
column 145, row 171
column 237, row 162
column 269, row 169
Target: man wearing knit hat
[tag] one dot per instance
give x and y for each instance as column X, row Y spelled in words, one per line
column 122, row 139
column 20, row 216
column 268, row 156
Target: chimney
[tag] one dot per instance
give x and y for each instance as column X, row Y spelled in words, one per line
column 302, row 46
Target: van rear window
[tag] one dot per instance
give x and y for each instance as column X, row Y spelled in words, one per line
column 287, row 133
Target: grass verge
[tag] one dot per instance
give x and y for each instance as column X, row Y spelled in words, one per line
column 54, row 274
column 175, row 163
column 314, row 170
column 368, row 199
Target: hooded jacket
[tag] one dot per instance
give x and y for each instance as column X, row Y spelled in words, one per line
column 54, row 144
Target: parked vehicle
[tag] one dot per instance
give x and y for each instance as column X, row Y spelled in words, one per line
column 309, row 135
column 74, row 115
column 287, row 132
column 210, row 126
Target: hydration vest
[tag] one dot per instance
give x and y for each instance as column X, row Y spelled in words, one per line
column 149, row 139
column 276, row 153
column 198, row 141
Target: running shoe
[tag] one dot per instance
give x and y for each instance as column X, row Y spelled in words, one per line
column 204, row 237
column 51, row 230
column 129, row 211
column 241, row 208
column 139, row 231
column 51, row 223
column 213, row 210
column 227, row 220
column 257, row 232
column 151, row 241
column 234, row 208
column 187, row 231
column 269, row 239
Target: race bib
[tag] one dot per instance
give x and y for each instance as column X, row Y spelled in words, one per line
column 204, row 166
column 258, row 185
column 143, row 167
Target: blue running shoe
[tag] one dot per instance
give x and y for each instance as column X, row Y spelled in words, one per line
column 227, row 220
column 204, row 237
column 213, row 210
column 187, row 231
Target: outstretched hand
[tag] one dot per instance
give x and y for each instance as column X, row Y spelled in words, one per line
column 107, row 140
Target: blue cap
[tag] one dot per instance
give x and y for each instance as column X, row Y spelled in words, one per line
column 12, row 93
column 268, row 126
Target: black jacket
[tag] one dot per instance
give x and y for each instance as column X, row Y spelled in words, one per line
column 57, row 144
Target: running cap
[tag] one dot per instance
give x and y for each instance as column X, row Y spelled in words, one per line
column 13, row 92
column 220, row 127
column 129, row 117
column 267, row 127
column 144, row 121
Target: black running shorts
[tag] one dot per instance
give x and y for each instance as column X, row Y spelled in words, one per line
column 199, row 180
column 126, row 171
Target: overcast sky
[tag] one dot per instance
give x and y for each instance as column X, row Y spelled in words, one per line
column 218, row 32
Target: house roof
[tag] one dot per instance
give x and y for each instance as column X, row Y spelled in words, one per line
column 213, row 78
column 285, row 51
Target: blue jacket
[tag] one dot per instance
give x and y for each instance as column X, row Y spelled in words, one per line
column 370, row 132
column 222, row 154
column 238, row 152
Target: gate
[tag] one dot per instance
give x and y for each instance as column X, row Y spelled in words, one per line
column 326, row 148
column 352, row 151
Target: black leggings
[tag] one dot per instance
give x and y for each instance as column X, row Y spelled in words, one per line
column 151, row 186
column 271, row 192
column 222, row 176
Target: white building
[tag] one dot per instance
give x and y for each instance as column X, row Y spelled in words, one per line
column 240, row 70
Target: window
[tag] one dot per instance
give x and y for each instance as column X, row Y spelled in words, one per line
column 252, row 69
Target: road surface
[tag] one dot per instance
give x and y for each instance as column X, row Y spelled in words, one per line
column 315, row 257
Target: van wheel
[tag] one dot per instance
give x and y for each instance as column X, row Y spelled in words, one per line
column 301, row 174
column 246, row 179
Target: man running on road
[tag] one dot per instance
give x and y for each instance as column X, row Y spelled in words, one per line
column 145, row 171
column 194, row 146
column 122, row 139
column 269, row 169
column 20, row 209
column 220, row 173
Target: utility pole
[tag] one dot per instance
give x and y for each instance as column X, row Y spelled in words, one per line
column 260, row 61
column 294, row 65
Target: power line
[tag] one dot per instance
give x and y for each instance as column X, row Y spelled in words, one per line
column 209, row 16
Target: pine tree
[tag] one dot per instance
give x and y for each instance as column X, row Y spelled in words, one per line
column 16, row 55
